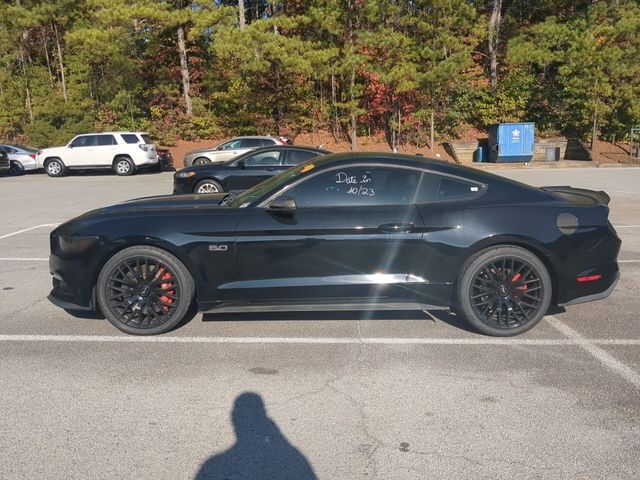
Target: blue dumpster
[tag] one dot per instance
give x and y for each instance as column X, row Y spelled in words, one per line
column 511, row 142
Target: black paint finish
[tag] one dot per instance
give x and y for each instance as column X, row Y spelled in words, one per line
column 369, row 251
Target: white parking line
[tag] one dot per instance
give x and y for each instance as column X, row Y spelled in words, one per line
column 626, row 226
column 16, row 259
column 319, row 340
column 601, row 355
column 628, row 261
column 28, row 229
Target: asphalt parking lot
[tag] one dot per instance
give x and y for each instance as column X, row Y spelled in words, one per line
column 334, row 395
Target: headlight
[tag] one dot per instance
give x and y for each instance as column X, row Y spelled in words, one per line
column 185, row 174
column 75, row 244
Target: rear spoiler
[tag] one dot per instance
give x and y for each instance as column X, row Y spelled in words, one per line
column 599, row 196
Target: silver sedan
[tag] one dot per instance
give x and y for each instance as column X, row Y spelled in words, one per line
column 22, row 159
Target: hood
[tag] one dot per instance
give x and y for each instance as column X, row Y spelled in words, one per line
column 203, row 150
column 158, row 205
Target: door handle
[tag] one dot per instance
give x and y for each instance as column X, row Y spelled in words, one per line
column 397, row 227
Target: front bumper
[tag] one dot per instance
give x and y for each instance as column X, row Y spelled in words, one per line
column 65, row 297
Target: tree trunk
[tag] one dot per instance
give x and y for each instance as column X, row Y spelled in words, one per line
column 352, row 112
column 594, row 129
column 184, row 71
column 432, row 140
column 242, row 21
column 26, row 83
column 61, row 62
column 335, row 122
column 494, row 37
column 46, row 56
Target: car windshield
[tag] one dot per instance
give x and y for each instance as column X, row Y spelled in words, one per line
column 250, row 196
column 30, row 149
column 146, row 139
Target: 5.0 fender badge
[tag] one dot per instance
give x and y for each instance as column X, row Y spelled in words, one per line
column 218, row 248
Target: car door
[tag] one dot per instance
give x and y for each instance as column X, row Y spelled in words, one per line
column 81, row 151
column 105, row 150
column 355, row 233
column 256, row 168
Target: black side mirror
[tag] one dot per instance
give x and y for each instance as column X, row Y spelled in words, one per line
column 283, row 203
column 240, row 163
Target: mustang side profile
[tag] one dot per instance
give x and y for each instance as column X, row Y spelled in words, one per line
column 357, row 231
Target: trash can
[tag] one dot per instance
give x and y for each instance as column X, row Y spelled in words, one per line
column 552, row 154
column 479, row 155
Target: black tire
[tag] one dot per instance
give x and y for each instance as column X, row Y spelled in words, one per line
column 145, row 290
column 504, row 291
column 201, row 161
column 123, row 166
column 54, row 167
column 208, row 186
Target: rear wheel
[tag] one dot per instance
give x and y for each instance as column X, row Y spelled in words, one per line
column 144, row 290
column 208, row 186
column 201, row 161
column 54, row 167
column 504, row 291
column 123, row 166
column 16, row 168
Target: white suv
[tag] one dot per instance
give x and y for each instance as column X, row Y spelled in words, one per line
column 123, row 152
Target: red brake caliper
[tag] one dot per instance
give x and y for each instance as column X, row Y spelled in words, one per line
column 515, row 278
column 166, row 276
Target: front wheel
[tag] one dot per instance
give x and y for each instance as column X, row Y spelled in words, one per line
column 208, row 186
column 201, row 161
column 54, row 167
column 144, row 290
column 16, row 168
column 504, row 291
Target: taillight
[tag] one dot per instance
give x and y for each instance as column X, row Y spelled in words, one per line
column 33, row 155
column 143, row 147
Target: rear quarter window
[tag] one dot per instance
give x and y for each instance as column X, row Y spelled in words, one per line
column 130, row 138
column 437, row 188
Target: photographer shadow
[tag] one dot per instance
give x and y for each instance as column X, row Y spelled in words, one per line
column 261, row 451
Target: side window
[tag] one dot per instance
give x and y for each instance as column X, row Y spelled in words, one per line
column 251, row 143
column 357, row 186
column 130, row 138
column 436, row 187
column 104, row 140
column 296, row 157
column 230, row 145
column 263, row 159
column 267, row 142
column 84, row 141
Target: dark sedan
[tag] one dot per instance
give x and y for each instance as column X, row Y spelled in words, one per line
column 358, row 231
column 242, row 172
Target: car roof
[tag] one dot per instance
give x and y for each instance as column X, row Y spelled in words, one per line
column 112, row 133
column 273, row 137
column 433, row 164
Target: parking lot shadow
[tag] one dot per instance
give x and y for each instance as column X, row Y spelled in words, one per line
column 261, row 451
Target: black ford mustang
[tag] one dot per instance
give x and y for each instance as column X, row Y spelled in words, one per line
column 362, row 231
column 242, row 172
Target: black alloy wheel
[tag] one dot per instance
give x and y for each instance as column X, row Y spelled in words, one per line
column 504, row 291
column 145, row 290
